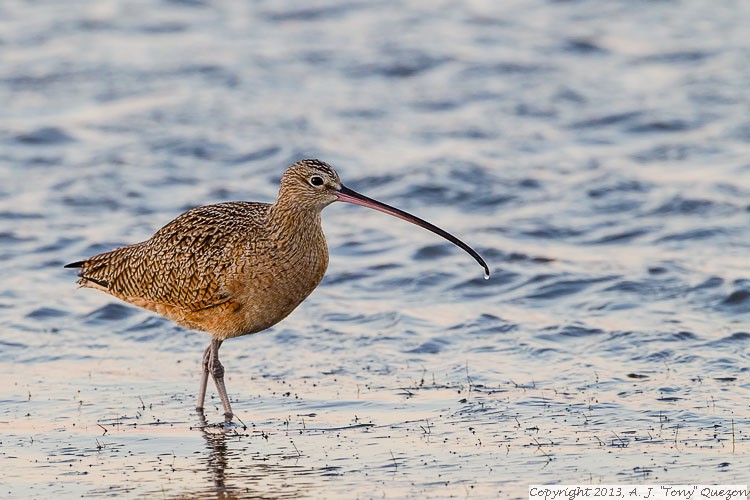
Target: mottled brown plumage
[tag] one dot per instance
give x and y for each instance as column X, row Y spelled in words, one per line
column 236, row 268
column 219, row 268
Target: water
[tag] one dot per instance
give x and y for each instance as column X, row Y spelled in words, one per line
column 595, row 153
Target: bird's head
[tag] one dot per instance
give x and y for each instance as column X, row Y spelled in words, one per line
column 310, row 184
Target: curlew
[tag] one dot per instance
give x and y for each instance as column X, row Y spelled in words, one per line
column 235, row 268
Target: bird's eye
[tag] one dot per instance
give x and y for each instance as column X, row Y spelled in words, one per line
column 316, row 180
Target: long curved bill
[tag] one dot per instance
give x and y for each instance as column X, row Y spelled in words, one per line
column 350, row 196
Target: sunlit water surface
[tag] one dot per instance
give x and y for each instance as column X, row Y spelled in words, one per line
column 597, row 154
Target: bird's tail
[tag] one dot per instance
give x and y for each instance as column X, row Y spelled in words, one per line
column 92, row 271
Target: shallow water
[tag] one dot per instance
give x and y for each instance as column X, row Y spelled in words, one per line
column 597, row 154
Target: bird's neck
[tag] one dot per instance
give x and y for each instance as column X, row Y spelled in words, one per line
column 291, row 223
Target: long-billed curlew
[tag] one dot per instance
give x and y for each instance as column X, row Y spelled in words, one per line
column 236, row 268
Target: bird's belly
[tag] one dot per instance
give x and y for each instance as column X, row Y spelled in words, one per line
column 259, row 302
column 234, row 318
column 258, row 310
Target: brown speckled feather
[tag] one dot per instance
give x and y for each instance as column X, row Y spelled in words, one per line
column 228, row 269
column 188, row 263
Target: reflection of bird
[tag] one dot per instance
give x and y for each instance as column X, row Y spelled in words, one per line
column 230, row 477
column 216, row 460
column 232, row 269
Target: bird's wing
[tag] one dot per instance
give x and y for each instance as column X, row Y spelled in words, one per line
column 190, row 263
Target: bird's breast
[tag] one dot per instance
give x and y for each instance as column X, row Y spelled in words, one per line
column 275, row 279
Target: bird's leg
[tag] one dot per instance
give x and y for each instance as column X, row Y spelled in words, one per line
column 204, row 378
column 217, row 372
